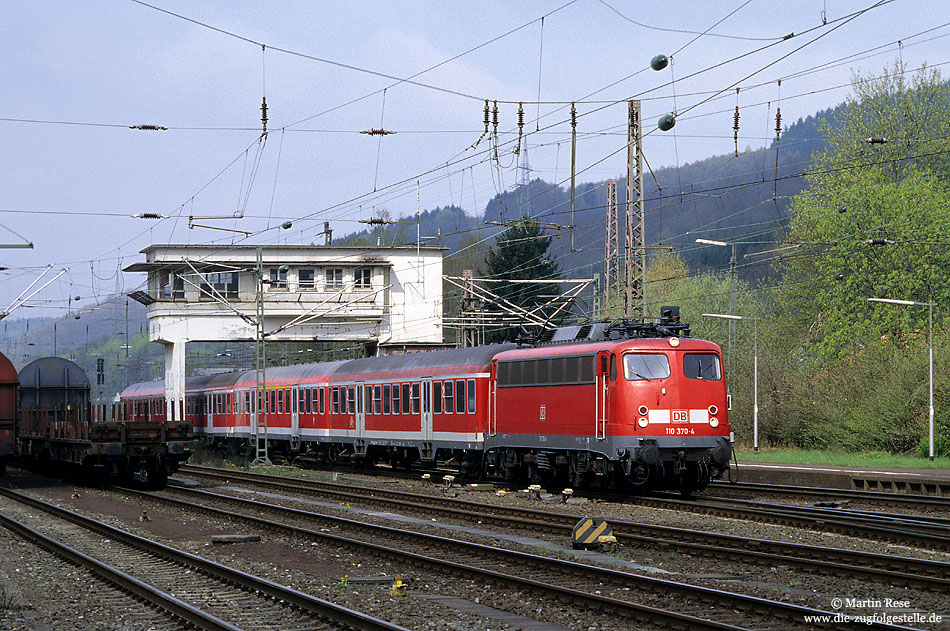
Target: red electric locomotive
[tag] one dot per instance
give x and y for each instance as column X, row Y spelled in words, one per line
column 625, row 406
column 619, row 405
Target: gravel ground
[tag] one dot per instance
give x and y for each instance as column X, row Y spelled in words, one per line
column 775, row 583
column 320, row 569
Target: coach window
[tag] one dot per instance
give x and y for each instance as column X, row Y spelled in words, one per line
column 377, row 399
column 351, row 399
column 280, row 402
column 247, row 401
column 396, row 398
column 415, row 398
column 645, row 366
column 702, row 366
column 471, row 396
column 449, row 399
column 405, row 398
column 289, row 401
column 367, row 399
column 323, row 401
column 387, row 399
column 305, row 401
column 460, row 396
column 437, row 397
column 335, row 400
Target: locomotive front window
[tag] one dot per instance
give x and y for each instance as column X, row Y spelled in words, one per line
column 645, row 366
column 703, row 366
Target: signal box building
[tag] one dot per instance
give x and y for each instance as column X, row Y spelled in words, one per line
column 389, row 298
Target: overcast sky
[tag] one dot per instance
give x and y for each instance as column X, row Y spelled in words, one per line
column 106, row 65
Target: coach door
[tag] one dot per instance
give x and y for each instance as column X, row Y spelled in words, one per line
column 601, row 396
column 427, row 409
column 360, row 410
column 295, row 418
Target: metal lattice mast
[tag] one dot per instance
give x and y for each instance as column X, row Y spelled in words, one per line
column 260, row 427
column 634, row 302
column 612, row 249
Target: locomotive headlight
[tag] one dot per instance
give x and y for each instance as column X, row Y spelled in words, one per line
column 713, row 410
column 642, row 421
column 713, row 421
column 643, row 410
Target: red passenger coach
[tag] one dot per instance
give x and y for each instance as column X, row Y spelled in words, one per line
column 619, row 405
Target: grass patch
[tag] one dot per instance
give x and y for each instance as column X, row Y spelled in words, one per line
column 836, row 458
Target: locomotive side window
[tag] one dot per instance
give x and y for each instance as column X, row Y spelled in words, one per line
column 405, row 398
column 460, row 396
column 645, row 366
column 613, row 367
column 449, row 399
column 387, row 400
column 702, row 366
column 415, row 398
column 471, row 396
column 437, row 397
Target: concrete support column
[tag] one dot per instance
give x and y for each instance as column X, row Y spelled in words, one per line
column 174, row 377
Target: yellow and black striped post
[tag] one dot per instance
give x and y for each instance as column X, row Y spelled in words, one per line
column 590, row 532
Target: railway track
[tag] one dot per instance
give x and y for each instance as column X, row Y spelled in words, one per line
column 887, row 569
column 919, row 532
column 919, row 502
column 199, row 593
column 617, row 593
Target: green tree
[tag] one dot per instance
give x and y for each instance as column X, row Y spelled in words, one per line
column 894, row 194
column 520, row 253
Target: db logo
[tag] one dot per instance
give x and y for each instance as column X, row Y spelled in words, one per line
column 542, row 412
column 680, row 416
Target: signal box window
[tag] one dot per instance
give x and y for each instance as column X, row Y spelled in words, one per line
column 702, row 366
column 334, row 278
column 278, row 278
column 363, row 278
column 306, row 279
column 645, row 366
